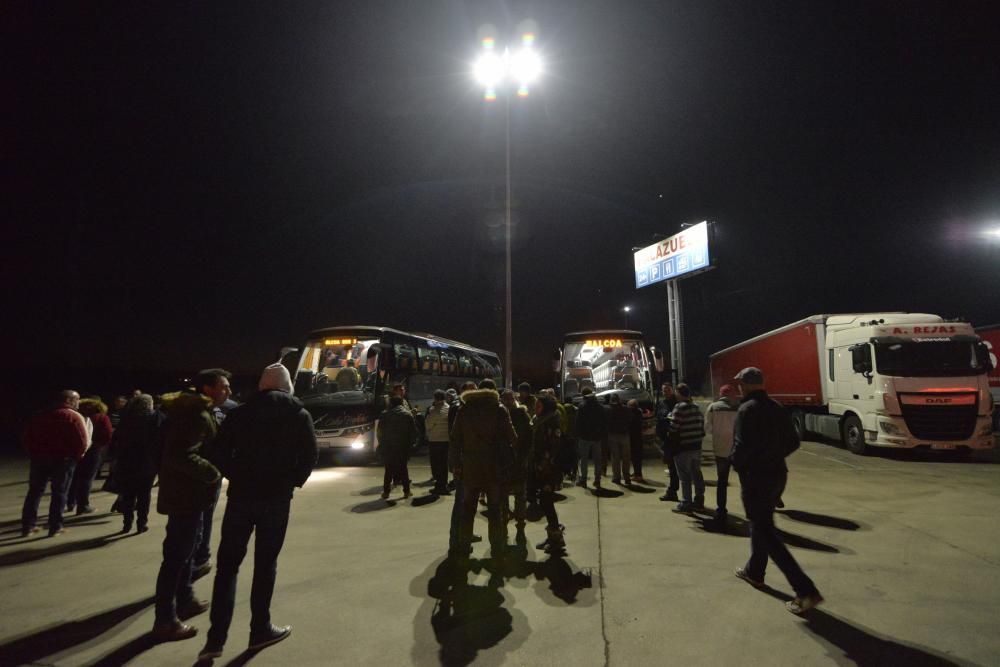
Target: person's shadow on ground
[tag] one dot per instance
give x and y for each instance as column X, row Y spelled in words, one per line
column 735, row 526
column 34, row 647
column 62, row 545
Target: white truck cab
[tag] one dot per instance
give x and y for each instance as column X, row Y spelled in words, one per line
column 905, row 380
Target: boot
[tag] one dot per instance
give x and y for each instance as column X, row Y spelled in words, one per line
column 555, row 540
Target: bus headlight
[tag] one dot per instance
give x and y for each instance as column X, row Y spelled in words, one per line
column 358, row 444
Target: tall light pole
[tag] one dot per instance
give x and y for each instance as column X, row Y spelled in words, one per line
column 503, row 72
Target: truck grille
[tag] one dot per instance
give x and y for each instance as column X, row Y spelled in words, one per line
column 940, row 422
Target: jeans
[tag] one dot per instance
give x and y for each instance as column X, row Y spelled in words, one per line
column 173, row 584
column 618, row 449
column 269, row 519
column 497, row 531
column 760, row 492
column 635, row 453
column 689, row 470
column 203, row 552
column 584, row 450
column 722, row 467
column 83, row 478
column 520, row 493
column 396, row 473
column 439, row 464
column 456, row 517
column 41, row 474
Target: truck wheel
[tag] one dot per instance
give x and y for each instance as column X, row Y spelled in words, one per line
column 853, row 435
column 799, row 420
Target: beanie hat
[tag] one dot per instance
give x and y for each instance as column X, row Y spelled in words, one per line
column 276, row 377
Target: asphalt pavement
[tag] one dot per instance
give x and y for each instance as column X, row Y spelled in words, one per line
column 905, row 549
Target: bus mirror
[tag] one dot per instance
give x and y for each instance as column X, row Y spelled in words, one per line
column 372, row 359
column 285, row 351
column 556, row 361
column 657, row 359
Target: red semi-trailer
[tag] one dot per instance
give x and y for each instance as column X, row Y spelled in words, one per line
column 881, row 379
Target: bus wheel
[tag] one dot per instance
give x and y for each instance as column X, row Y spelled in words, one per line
column 853, row 435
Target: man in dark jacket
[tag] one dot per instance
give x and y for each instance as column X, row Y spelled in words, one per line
column 668, row 439
column 55, row 440
column 522, row 458
column 591, row 433
column 265, row 448
column 189, row 484
column 397, row 434
column 763, row 436
column 482, row 426
column 545, row 446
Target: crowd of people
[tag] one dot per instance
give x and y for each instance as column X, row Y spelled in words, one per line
column 497, row 446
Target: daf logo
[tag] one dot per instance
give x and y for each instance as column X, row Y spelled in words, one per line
column 938, row 400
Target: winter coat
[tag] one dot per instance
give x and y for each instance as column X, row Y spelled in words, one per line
column 591, row 420
column 56, row 434
column 266, row 447
column 482, row 425
column 635, row 426
column 667, row 436
column 720, row 417
column 135, row 446
column 188, row 481
column 397, row 435
column 686, row 421
column 436, row 422
column 546, row 443
column 763, row 435
column 569, row 426
column 522, row 448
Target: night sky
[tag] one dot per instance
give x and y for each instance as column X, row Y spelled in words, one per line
column 196, row 184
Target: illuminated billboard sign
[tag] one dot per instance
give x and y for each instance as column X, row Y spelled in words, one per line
column 671, row 258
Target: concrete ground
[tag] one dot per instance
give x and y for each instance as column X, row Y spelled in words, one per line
column 906, row 551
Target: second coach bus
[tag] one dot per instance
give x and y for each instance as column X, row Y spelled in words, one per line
column 344, row 372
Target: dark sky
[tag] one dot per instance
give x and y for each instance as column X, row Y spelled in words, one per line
column 193, row 184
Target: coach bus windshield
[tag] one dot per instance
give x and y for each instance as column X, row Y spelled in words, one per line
column 333, row 366
column 604, row 365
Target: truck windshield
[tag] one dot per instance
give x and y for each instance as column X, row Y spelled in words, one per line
column 928, row 358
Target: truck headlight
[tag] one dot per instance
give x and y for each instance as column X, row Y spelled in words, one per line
column 890, row 429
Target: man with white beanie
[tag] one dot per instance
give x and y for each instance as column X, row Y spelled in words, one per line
column 265, row 448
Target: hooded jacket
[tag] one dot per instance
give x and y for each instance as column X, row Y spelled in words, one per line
column 266, row 447
column 187, row 479
column 482, row 425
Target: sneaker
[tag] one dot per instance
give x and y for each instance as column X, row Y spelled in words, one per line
column 698, row 504
column 200, row 570
column 801, row 605
column 683, row 507
column 385, row 496
column 126, row 528
column 741, row 573
column 669, row 496
column 475, row 538
column 191, row 608
column 29, row 531
column 407, row 494
column 628, row 481
column 58, row 531
column 86, row 509
column 272, row 635
column 173, row 632
column 211, row 650
column 141, row 528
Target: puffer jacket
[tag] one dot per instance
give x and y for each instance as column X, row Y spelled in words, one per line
column 436, row 422
column 187, row 480
column 482, row 425
column 397, row 433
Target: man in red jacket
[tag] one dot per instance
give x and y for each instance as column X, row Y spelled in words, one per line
column 55, row 440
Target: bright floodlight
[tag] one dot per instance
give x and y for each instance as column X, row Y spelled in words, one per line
column 993, row 233
column 525, row 66
column 627, row 309
column 489, row 69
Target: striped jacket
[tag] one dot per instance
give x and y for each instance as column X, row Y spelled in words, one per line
column 686, row 420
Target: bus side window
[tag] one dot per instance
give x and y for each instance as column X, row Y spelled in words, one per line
column 430, row 363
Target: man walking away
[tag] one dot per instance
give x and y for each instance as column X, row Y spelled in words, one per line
column 689, row 425
column 189, row 484
column 763, row 436
column 668, row 439
column 719, row 420
column 266, row 448
column 618, row 440
column 397, row 433
column 436, row 427
column 591, row 432
column 55, row 440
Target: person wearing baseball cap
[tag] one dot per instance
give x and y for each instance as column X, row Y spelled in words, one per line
column 763, row 435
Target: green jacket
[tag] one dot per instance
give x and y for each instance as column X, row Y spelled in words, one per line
column 188, row 481
column 482, row 425
column 522, row 448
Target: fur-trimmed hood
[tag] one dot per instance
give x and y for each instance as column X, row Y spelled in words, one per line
column 481, row 398
column 185, row 401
